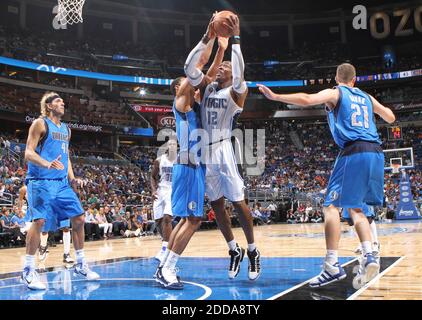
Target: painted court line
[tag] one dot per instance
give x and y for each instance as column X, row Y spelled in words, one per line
column 303, row 283
column 366, row 286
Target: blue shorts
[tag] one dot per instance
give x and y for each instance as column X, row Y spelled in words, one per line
column 188, row 190
column 54, row 201
column 358, row 177
column 367, row 210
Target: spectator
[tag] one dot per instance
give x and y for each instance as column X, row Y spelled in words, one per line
column 103, row 224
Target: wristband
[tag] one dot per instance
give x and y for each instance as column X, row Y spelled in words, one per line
column 235, row 40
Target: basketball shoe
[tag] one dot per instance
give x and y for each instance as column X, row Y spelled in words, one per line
column 31, row 279
column 84, row 271
column 254, row 269
column 67, row 258
column 169, row 279
column 236, row 257
column 42, row 253
column 330, row 273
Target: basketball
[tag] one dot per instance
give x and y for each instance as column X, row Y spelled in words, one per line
column 220, row 22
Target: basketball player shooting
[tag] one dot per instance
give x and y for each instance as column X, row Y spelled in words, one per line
column 222, row 102
column 357, row 179
column 188, row 182
column 50, row 180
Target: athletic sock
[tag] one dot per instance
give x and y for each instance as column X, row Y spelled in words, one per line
column 366, row 247
column 331, row 257
column 80, row 256
column 251, row 247
column 171, row 260
column 29, row 262
column 44, row 238
column 66, row 242
column 374, row 231
column 232, row 244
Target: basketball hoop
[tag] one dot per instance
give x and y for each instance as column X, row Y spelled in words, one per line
column 395, row 167
column 70, row 11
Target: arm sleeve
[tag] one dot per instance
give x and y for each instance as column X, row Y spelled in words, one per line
column 238, row 69
column 194, row 74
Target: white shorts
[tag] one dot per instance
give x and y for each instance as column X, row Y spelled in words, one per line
column 222, row 175
column 162, row 205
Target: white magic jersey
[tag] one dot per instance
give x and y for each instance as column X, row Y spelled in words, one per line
column 166, row 172
column 218, row 112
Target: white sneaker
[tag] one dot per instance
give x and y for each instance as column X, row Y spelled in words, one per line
column 84, row 271
column 31, row 279
column 368, row 269
column 170, row 279
column 358, row 250
column 376, row 249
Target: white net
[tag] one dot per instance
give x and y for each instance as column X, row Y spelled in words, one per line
column 70, row 11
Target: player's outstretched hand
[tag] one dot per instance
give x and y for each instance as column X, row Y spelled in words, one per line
column 210, row 29
column 234, row 25
column 266, row 92
column 223, row 43
column 56, row 164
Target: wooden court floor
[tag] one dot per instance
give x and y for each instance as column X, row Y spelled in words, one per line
column 401, row 281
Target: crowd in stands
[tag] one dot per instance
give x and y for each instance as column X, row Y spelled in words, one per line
column 158, row 59
column 79, row 109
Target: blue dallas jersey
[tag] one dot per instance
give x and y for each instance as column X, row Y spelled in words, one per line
column 54, row 143
column 186, row 123
column 353, row 117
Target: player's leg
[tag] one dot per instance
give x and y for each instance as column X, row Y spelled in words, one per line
column 332, row 270
column 181, row 240
column 369, row 267
column 374, row 234
column 65, row 225
column 68, row 206
column 42, row 253
column 166, row 227
column 38, row 211
column 246, row 222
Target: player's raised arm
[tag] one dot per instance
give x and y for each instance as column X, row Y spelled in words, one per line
column 219, row 56
column 239, row 88
column 327, row 96
column 196, row 58
column 385, row 113
column 36, row 132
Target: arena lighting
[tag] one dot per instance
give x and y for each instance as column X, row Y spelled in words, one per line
column 12, row 73
column 142, row 92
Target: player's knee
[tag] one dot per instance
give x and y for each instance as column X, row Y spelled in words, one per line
column 195, row 222
column 66, row 229
column 167, row 219
column 78, row 222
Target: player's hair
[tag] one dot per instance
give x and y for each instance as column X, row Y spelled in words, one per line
column 174, row 83
column 43, row 103
column 345, row 72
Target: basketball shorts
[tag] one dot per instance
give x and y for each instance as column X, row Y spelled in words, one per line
column 162, row 205
column 54, row 201
column 188, row 190
column 222, row 175
column 357, row 179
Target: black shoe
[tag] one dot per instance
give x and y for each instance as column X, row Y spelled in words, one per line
column 236, row 257
column 254, row 269
column 42, row 254
column 67, row 258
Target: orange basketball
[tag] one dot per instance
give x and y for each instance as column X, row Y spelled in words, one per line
column 219, row 22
